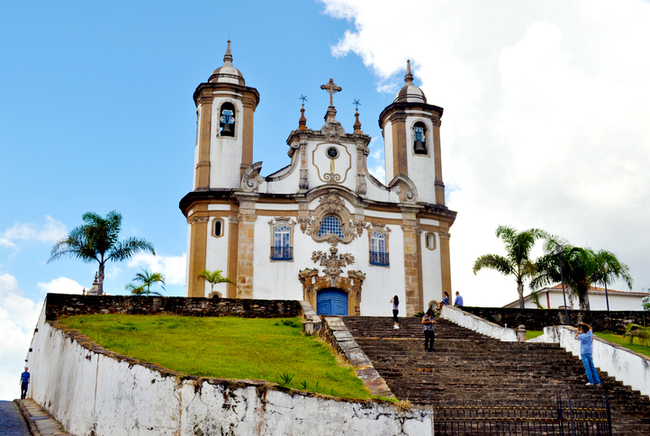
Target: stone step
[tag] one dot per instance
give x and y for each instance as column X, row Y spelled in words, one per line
column 468, row 366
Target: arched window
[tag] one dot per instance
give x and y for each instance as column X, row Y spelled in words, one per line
column 227, row 120
column 378, row 252
column 217, row 227
column 331, row 224
column 420, row 138
column 281, row 249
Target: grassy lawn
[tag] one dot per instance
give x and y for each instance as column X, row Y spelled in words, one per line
column 530, row 334
column 228, row 347
column 625, row 342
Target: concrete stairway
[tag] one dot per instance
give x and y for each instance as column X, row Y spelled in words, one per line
column 470, row 366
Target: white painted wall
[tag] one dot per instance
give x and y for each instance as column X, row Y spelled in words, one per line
column 477, row 324
column 618, row 300
column 431, row 270
column 91, row 393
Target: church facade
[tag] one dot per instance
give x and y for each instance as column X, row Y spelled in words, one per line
column 322, row 229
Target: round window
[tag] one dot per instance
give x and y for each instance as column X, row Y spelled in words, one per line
column 332, row 152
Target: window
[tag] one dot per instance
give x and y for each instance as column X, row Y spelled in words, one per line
column 217, row 227
column 431, row 241
column 281, row 249
column 419, row 138
column 227, row 120
column 331, row 224
column 378, row 253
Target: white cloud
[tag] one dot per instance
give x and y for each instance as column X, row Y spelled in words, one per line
column 171, row 267
column 51, row 231
column 546, row 106
column 18, row 317
column 62, row 285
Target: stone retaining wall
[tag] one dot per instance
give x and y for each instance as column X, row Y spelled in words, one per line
column 537, row 319
column 57, row 305
column 92, row 391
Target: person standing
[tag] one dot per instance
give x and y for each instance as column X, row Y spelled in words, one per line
column 24, row 384
column 395, row 301
column 459, row 300
column 429, row 335
column 586, row 351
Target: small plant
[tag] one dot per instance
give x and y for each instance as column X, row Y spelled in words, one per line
column 285, row 378
column 637, row 331
column 404, row 405
column 290, row 323
column 303, row 384
column 646, row 303
column 417, row 315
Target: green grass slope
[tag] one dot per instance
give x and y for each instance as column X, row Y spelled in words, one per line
column 227, row 347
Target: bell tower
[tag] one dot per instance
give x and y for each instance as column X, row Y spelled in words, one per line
column 225, row 109
column 411, row 130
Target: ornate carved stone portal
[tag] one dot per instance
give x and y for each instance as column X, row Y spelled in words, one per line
column 312, row 282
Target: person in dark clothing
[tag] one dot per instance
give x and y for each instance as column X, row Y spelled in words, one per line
column 24, row 384
column 395, row 301
column 428, row 321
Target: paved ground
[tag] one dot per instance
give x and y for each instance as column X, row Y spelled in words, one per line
column 12, row 422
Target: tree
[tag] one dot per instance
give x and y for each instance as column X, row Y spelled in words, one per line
column 214, row 277
column 97, row 240
column 581, row 267
column 517, row 260
column 143, row 282
column 608, row 268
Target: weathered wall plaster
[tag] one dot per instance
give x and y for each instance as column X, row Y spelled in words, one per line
column 92, row 391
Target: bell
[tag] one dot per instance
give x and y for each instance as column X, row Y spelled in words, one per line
column 420, row 147
column 227, row 129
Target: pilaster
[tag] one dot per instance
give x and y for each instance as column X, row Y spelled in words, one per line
column 202, row 180
column 246, row 244
column 445, row 262
column 412, row 272
column 197, row 256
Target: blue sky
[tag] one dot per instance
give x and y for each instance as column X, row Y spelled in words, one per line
column 546, row 107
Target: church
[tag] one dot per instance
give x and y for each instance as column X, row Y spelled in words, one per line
column 321, row 229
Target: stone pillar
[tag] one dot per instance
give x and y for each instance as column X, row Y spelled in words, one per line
column 411, row 261
column 246, row 244
column 202, row 179
column 198, row 241
column 400, row 147
column 445, row 262
column 439, row 185
column 233, row 243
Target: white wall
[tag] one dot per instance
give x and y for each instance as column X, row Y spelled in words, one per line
column 96, row 393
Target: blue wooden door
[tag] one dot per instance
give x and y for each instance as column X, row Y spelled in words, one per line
column 332, row 301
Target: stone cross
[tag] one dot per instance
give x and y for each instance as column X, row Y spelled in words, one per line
column 332, row 88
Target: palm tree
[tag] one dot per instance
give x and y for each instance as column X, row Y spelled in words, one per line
column 143, row 282
column 214, row 277
column 97, row 240
column 607, row 269
column 517, row 260
column 581, row 266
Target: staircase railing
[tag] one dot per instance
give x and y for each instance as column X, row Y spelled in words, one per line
column 563, row 417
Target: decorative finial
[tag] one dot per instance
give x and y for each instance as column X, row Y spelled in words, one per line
column 332, row 88
column 227, row 58
column 408, row 78
column 357, row 123
column 356, row 103
column 302, row 123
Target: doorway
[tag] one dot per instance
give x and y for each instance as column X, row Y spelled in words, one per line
column 332, row 301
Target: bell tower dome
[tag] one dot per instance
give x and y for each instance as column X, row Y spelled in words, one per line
column 225, row 109
column 411, row 130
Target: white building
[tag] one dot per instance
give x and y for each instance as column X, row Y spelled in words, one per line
column 322, row 228
column 552, row 298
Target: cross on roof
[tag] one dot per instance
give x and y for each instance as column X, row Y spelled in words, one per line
column 356, row 103
column 303, row 98
column 331, row 87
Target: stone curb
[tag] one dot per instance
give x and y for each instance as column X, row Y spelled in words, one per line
column 337, row 333
column 40, row 422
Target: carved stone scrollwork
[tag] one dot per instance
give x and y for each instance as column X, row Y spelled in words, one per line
column 359, row 226
column 251, row 179
column 332, row 204
column 198, row 219
column 305, row 224
column 332, row 130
